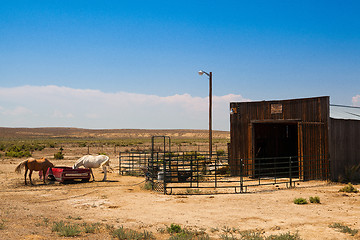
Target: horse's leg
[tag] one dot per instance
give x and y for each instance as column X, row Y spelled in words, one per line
column 26, row 169
column 104, row 169
column 30, row 176
column 92, row 174
column 44, row 172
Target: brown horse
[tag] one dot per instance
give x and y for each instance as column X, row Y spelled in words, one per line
column 34, row 165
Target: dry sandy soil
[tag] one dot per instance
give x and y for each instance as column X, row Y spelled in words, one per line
column 28, row 212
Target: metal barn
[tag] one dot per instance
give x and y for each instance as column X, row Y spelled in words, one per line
column 265, row 133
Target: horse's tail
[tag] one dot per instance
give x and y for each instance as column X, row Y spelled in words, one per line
column 21, row 165
column 106, row 162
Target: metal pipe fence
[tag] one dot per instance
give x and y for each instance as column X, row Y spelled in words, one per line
column 193, row 172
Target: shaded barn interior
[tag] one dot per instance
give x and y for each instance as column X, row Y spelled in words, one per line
column 273, row 143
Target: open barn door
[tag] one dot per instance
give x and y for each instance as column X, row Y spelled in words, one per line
column 313, row 162
column 275, row 149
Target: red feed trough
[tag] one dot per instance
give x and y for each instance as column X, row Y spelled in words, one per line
column 67, row 174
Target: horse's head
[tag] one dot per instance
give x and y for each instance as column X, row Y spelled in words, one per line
column 48, row 163
column 77, row 165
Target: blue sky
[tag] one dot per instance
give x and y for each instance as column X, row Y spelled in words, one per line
column 134, row 64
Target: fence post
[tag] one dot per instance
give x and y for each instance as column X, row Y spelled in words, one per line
column 241, row 176
column 197, row 167
column 191, row 169
column 164, row 166
column 120, row 163
column 290, row 172
column 217, row 159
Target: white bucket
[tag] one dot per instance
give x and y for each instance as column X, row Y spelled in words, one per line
column 160, row 176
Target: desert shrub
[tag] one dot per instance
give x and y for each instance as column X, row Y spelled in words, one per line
column 18, row 154
column 315, row 199
column 284, row 236
column 129, row 234
column 2, row 225
column 90, row 228
column 148, row 186
column 188, row 235
column 300, row 201
column 253, row 235
column 259, row 235
column 59, row 155
column 174, row 228
column 344, row 229
column 171, row 154
column 66, row 229
column 191, row 191
column 349, row 189
column 220, row 152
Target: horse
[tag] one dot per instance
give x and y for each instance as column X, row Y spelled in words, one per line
column 89, row 161
column 34, row 165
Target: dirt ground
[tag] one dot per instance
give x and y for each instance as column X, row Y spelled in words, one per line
column 27, row 212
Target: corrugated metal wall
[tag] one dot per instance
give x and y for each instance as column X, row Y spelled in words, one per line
column 311, row 116
column 345, row 147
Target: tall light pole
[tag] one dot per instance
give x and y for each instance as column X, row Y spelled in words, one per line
column 201, row 72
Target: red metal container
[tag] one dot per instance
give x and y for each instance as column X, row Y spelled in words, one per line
column 63, row 174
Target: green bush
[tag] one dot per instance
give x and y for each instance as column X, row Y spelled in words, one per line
column 148, row 186
column 174, row 228
column 59, row 155
column 187, row 235
column 129, row 234
column 284, row 236
column 300, row 201
column 315, row 199
column 18, row 154
column 82, row 144
column 90, row 228
column 344, row 229
column 349, row 189
column 220, row 152
column 2, row 225
column 66, row 229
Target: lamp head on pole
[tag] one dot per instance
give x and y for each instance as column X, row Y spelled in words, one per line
column 201, row 72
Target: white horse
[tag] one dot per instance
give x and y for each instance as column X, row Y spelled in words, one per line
column 89, row 161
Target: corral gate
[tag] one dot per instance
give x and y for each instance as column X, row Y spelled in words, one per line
column 196, row 172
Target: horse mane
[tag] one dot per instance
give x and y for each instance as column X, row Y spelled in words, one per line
column 20, row 166
column 78, row 161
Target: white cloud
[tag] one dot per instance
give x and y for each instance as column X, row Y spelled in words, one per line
column 356, row 100
column 17, row 111
column 63, row 106
column 59, row 114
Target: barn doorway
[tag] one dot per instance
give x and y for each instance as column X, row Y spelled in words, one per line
column 273, row 145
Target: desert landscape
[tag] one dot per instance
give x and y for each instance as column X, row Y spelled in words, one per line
column 99, row 209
